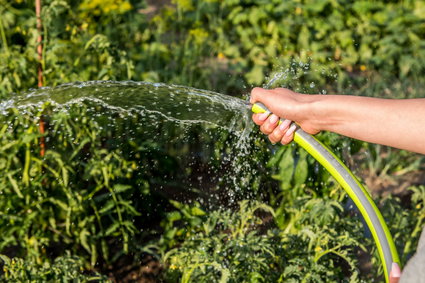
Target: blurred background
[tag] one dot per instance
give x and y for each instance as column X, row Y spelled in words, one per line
column 223, row 45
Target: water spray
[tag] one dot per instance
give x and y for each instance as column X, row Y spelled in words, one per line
column 355, row 190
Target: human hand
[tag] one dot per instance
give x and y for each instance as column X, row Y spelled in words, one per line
column 283, row 103
column 395, row 273
column 269, row 125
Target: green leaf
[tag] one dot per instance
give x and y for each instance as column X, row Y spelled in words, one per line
column 15, row 185
column 174, row 216
column 65, row 176
column 196, row 211
column 3, row 163
column 128, row 207
column 9, row 145
column 256, row 75
column 108, row 206
column 83, row 240
column 5, row 259
column 118, row 188
column 316, row 6
column 112, row 228
column 286, row 169
column 274, row 160
column 301, row 171
column 177, row 204
column 60, row 203
column 304, row 38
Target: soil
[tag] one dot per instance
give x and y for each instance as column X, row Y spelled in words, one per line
column 153, row 6
column 392, row 183
column 148, row 270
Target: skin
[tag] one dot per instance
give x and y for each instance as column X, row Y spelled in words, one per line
column 397, row 123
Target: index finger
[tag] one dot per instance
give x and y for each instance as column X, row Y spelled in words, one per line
column 256, row 93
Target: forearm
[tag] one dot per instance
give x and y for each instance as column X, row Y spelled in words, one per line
column 397, row 123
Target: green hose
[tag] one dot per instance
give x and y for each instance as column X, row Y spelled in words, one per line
column 360, row 196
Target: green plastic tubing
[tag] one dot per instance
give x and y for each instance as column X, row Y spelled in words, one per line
column 360, row 196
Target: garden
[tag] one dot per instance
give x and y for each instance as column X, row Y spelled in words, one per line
column 127, row 153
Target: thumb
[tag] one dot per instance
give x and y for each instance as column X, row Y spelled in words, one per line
column 395, row 273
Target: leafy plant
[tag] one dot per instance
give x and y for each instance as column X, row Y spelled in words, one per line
column 226, row 247
column 247, row 247
column 98, row 190
column 63, row 269
column 69, row 196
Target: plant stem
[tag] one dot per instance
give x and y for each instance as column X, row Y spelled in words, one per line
column 3, row 37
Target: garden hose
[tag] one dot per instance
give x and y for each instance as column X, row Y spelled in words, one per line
column 360, row 196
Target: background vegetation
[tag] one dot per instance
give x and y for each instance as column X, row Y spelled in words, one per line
column 55, row 224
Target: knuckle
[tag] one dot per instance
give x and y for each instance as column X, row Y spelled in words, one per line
column 277, row 135
column 255, row 90
column 272, row 139
column 268, row 128
column 254, row 93
column 263, row 129
column 256, row 120
column 287, row 139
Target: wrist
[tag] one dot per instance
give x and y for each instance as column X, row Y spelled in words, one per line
column 319, row 115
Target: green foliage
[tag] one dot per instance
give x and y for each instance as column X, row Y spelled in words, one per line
column 247, row 247
column 225, row 248
column 74, row 50
column 92, row 192
column 410, row 219
column 220, row 45
column 252, row 38
column 63, row 269
column 78, row 195
column 99, row 185
column 188, row 216
column 318, row 243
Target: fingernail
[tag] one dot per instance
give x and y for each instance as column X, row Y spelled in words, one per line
column 290, row 130
column 395, row 270
column 273, row 119
column 263, row 116
column 284, row 125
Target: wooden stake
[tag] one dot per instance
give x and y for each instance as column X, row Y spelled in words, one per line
column 39, row 42
column 40, row 68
